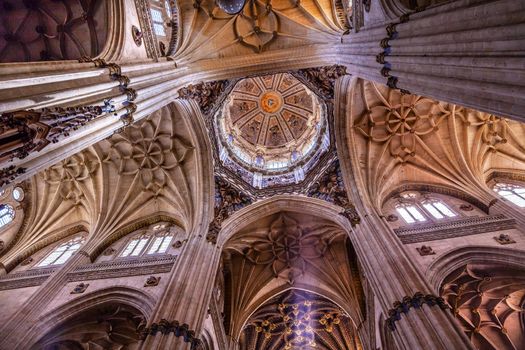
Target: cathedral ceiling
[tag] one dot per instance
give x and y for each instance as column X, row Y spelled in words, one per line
column 146, row 169
column 297, row 319
column 47, row 30
column 286, row 250
column 208, row 32
column 489, row 303
column 401, row 138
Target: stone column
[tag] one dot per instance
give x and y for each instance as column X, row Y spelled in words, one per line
column 180, row 313
column 416, row 317
column 15, row 331
column 468, row 52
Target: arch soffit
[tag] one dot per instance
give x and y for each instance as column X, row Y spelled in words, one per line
column 290, row 203
column 192, row 116
column 505, row 174
column 458, row 257
column 254, row 306
column 141, row 301
column 348, row 159
column 439, row 189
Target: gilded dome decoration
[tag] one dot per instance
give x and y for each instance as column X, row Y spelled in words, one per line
column 272, row 124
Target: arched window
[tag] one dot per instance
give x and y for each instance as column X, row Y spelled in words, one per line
column 160, row 15
column 414, row 207
column 514, row 193
column 410, row 213
column 157, row 242
column 7, row 214
column 438, row 209
column 63, row 252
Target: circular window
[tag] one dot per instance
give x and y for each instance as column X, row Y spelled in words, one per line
column 18, row 194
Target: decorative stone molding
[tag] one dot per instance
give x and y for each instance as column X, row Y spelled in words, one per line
column 10, row 174
column 30, row 278
column 152, row 281
column 119, row 268
column 228, row 199
column 466, row 207
column 108, row 252
column 416, row 302
column 123, row 268
column 205, row 94
column 148, row 35
column 504, row 239
column 27, row 261
column 323, row 78
column 455, row 228
column 392, row 34
column 392, row 218
column 180, row 330
column 80, row 288
column 425, row 250
column 330, row 187
column 137, row 35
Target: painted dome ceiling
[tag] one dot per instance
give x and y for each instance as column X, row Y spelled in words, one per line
column 271, row 123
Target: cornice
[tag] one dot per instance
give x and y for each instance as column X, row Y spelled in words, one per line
column 112, row 269
column 455, row 228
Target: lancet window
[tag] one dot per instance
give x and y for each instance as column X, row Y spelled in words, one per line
column 62, row 253
column 512, row 192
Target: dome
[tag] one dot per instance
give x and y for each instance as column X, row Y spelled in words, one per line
column 272, row 124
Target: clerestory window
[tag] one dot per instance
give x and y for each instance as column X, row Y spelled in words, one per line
column 62, row 253
column 157, row 242
column 513, row 193
column 416, row 208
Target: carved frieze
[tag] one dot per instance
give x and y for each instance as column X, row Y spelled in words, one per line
column 205, row 94
column 323, row 78
column 456, row 228
column 23, row 132
column 331, row 188
column 228, row 199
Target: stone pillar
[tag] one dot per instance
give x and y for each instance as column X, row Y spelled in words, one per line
column 468, row 52
column 180, row 313
column 15, row 331
column 416, row 317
